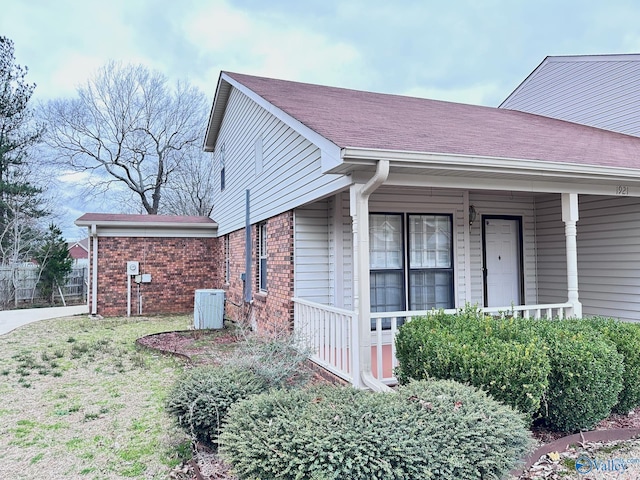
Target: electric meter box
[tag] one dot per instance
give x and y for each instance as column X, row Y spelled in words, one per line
column 133, row 268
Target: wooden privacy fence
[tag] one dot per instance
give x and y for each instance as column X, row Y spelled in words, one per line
column 18, row 286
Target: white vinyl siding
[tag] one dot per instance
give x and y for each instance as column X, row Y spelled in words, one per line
column 609, row 256
column 290, row 174
column 311, row 277
column 600, row 91
column 341, row 241
column 516, row 205
column 323, row 252
column 552, row 250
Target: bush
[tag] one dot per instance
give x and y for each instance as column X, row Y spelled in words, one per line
column 482, row 351
column 626, row 337
column 276, row 358
column 567, row 373
column 199, row 400
column 585, row 378
column 427, row 430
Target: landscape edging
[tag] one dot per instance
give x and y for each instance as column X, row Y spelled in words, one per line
column 562, row 444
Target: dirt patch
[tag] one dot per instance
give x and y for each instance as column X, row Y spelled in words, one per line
column 202, row 347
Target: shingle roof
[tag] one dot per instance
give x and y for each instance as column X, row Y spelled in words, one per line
column 357, row 119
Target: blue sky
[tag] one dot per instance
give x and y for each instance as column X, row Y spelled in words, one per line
column 457, row 50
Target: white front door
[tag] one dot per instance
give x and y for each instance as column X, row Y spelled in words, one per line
column 502, row 261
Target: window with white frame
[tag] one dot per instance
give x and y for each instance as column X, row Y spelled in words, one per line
column 411, row 262
column 227, row 259
column 262, row 256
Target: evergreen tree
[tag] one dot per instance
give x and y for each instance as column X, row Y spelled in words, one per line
column 55, row 262
column 20, row 199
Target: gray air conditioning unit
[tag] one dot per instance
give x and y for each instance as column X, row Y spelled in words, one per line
column 208, row 310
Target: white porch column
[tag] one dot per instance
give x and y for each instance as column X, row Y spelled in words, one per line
column 570, row 217
column 359, row 209
column 94, row 270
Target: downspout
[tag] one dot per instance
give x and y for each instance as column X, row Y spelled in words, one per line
column 362, row 297
column 94, row 271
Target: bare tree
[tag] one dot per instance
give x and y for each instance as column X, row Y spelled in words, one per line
column 190, row 190
column 128, row 125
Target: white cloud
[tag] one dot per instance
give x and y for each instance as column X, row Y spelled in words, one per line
column 74, row 177
column 271, row 46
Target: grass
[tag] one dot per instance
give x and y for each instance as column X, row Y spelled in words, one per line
column 81, row 402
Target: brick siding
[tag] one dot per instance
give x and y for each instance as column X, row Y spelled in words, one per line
column 271, row 311
column 178, row 267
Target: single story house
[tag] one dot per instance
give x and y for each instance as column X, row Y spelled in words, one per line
column 79, row 252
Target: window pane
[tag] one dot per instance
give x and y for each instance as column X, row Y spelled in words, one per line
column 262, row 253
column 430, row 241
column 385, row 241
column 430, row 289
column 386, row 292
column 387, row 295
column 263, row 274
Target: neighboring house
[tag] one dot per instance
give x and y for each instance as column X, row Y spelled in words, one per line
column 366, row 209
column 79, row 252
column 598, row 90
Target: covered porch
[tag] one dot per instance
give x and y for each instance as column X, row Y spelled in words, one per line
column 423, row 239
column 332, row 335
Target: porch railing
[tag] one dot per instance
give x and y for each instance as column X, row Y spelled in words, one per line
column 331, row 334
column 383, row 345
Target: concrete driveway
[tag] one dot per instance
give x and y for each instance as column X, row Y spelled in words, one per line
column 12, row 319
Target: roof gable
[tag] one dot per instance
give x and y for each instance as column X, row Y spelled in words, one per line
column 602, row 91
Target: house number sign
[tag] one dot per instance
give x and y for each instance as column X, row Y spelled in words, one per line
column 622, row 190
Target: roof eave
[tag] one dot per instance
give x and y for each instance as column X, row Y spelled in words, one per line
column 355, row 159
column 134, row 224
column 220, row 99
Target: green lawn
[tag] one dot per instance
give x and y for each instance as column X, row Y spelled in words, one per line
column 79, row 401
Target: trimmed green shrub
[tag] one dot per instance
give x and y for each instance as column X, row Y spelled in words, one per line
column 200, row 399
column 585, row 378
column 626, row 337
column 566, row 373
column 470, row 348
column 428, row 430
